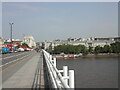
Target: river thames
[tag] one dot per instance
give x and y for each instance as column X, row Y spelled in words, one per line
column 93, row 72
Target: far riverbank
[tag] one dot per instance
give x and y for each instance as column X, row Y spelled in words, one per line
column 108, row 55
column 86, row 56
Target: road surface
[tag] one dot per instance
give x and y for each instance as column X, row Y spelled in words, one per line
column 22, row 70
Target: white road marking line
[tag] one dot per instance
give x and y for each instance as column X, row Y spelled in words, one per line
column 15, row 60
column 13, row 56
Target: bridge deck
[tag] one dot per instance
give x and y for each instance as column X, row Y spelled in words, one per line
column 29, row 75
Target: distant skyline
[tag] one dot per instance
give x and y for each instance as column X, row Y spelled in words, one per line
column 50, row 21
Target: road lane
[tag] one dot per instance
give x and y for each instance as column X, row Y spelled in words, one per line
column 11, row 54
column 14, row 57
column 10, row 69
column 17, row 59
column 21, row 75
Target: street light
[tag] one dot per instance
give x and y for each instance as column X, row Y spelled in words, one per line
column 11, row 31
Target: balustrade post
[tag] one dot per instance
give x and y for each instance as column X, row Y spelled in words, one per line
column 50, row 57
column 65, row 74
column 71, row 79
column 54, row 62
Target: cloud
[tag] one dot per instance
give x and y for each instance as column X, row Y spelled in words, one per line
column 57, row 20
column 61, row 0
column 10, row 14
column 12, row 9
column 21, row 6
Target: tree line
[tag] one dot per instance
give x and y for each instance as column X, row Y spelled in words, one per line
column 76, row 49
column 23, row 45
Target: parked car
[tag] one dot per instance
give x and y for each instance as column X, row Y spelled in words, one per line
column 5, row 50
column 20, row 50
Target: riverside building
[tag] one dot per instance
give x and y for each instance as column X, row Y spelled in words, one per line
column 30, row 41
column 93, row 42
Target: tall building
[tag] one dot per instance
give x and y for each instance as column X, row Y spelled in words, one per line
column 30, row 41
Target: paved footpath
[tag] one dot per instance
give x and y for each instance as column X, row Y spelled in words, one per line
column 26, row 75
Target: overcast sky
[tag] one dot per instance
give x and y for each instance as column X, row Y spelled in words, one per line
column 50, row 21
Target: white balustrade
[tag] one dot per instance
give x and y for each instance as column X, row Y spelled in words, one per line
column 66, row 80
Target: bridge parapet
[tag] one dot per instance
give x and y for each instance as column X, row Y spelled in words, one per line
column 60, row 79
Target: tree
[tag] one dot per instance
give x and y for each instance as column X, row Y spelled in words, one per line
column 115, row 47
column 80, row 48
column 71, row 49
column 85, row 51
column 98, row 49
column 106, row 49
column 23, row 45
column 90, row 50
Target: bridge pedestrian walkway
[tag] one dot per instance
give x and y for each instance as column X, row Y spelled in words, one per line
column 30, row 75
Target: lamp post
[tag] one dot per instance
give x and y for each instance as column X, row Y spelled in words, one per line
column 11, row 31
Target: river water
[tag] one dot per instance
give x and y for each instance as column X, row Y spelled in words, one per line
column 93, row 72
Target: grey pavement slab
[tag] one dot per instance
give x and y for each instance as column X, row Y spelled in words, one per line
column 24, row 77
